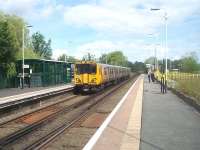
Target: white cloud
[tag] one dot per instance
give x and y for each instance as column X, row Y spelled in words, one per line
column 96, row 48
column 47, row 11
column 129, row 19
column 30, row 9
column 123, row 17
column 134, row 51
column 123, row 20
column 58, row 52
column 105, row 19
column 18, row 6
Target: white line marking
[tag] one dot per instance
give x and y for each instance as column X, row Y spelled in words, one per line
column 134, row 123
column 30, row 94
column 98, row 133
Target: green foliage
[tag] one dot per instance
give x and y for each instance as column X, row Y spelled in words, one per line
column 17, row 24
column 114, row 58
column 28, row 54
column 10, row 70
column 189, row 64
column 11, row 42
column 117, row 58
column 89, row 57
column 103, row 59
column 150, row 60
column 68, row 58
column 40, row 46
column 8, row 48
column 137, row 66
column 8, row 43
column 190, row 87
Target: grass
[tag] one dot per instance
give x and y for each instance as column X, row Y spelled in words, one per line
column 190, row 87
column 187, row 83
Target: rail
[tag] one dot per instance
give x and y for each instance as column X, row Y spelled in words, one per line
column 52, row 135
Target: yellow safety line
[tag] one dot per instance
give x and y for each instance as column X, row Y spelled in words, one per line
column 131, row 139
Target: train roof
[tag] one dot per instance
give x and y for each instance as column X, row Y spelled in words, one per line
column 44, row 60
column 93, row 62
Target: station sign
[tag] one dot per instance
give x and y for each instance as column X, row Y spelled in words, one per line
column 26, row 66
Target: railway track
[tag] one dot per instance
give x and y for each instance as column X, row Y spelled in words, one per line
column 53, row 111
column 48, row 113
column 59, row 130
column 24, row 101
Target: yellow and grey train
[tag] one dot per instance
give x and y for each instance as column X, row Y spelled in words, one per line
column 89, row 75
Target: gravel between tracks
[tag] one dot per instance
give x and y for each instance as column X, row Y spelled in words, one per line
column 20, row 123
column 77, row 137
column 30, row 108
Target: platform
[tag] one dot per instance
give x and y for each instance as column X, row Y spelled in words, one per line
column 146, row 119
column 168, row 123
column 29, row 93
column 121, row 129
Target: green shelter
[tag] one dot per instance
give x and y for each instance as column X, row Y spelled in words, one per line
column 41, row 72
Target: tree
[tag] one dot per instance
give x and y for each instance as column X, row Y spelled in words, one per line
column 189, row 63
column 117, row 58
column 11, row 43
column 150, row 60
column 16, row 24
column 89, row 57
column 8, row 47
column 68, row 58
column 103, row 58
column 28, row 54
column 137, row 67
column 114, row 58
column 40, row 46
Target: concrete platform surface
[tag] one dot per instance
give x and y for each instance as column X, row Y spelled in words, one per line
column 8, row 95
column 121, row 129
column 167, row 122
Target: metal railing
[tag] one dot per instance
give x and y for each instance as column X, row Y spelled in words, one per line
column 188, row 83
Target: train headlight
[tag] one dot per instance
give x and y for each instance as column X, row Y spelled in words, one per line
column 78, row 80
column 93, row 80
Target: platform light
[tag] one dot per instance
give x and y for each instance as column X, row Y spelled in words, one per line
column 28, row 26
column 165, row 19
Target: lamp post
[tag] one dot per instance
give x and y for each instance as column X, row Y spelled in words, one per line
column 68, row 45
column 28, row 26
column 155, row 50
column 165, row 19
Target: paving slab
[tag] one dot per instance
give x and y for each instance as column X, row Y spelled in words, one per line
column 31, row 94
column 168, row 123
column 15, row 91
column 121, row 129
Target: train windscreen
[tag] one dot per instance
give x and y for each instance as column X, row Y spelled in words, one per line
column 86, row 68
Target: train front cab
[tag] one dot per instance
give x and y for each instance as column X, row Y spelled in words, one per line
column 87, row 76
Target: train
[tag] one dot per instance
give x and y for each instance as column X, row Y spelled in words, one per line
column 92, row 76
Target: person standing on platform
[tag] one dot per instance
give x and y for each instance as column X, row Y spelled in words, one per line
column 149, row 75
column 152, row 77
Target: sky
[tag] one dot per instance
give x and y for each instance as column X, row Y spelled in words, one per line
column 77, row 27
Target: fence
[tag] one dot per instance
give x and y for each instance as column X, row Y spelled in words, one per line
column 177, row 75
column 187, row 83
column 182, row 76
